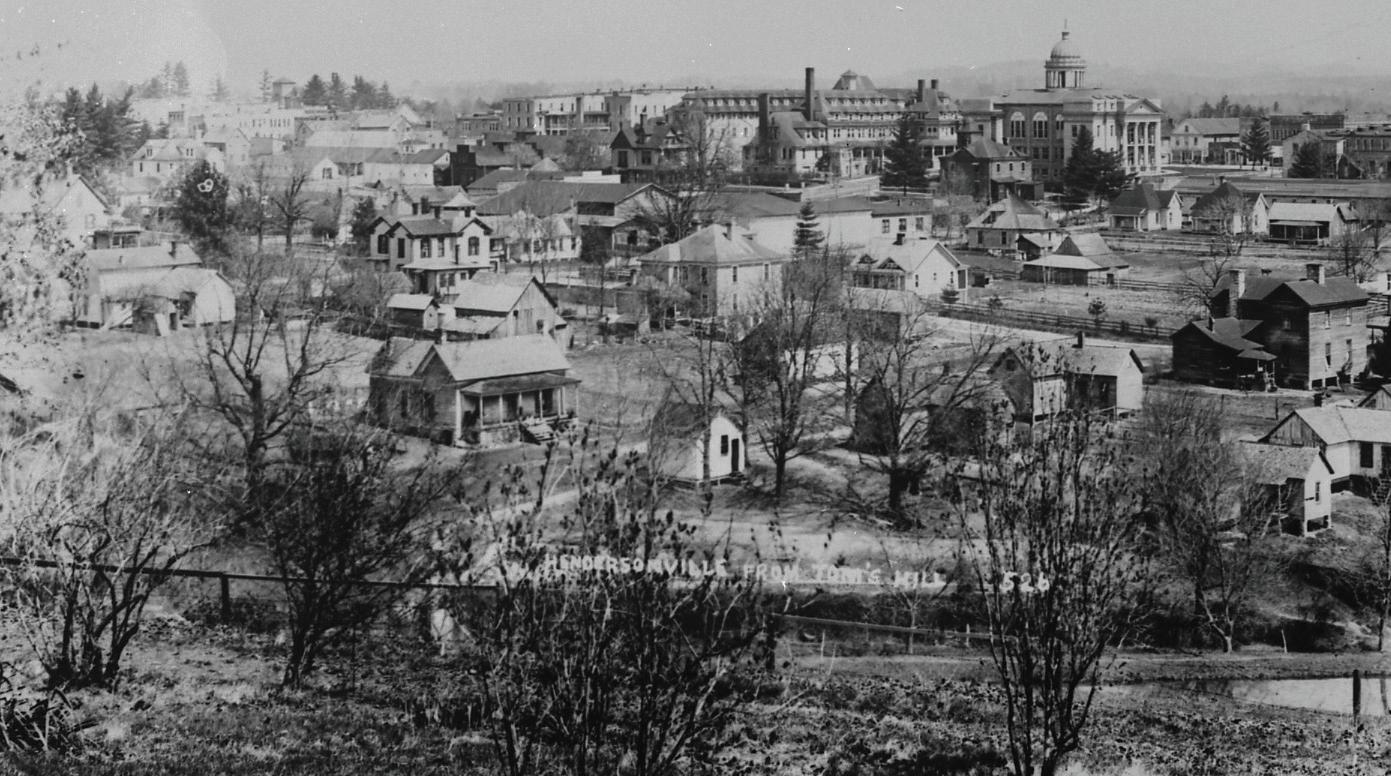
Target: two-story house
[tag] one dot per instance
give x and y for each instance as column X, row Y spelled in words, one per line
column 999, row 228
column 723, row 270
column 1227, row 209
column 1312, row 331
column 924, row 266
column 989, row 170
column 643, row 152
column 431, row 247
column 1192, row 140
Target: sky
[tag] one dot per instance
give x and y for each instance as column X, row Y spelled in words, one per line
column 659, row 41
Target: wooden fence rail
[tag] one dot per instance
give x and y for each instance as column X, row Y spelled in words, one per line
column 1051, row 322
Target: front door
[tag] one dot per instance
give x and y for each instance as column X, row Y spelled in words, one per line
column 733, row 456
column 1386, row 461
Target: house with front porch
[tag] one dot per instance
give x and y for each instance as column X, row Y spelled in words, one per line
column 1295, row 483
column 1355, row 440
column 924, row 266
column 1043, row 379
column 478, row 392
column 1143, row 208
column 1311, row 223
column 430, row 243
column 998, row 229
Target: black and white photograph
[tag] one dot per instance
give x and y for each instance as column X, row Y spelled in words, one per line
column 642, row 388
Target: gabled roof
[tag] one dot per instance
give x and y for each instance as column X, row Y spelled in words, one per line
column 423, row 226
column 1230, row 333
column 493, row 292
column 1216, row 199
column 1063, row 261
column 1209, row 127
column 1382, row 392
column 1333, row 291
column 1336, row 425
column 906, row 257
column 1135, row 201
column 410, row 301
column 1276, row 464
column 712, row 245
column 1087, row 244
column 1311, row 212
column 547, row 197
column 471, row 361
column 985, row 148
column 147, row 257
column 1063, row 356
column 1013, row 213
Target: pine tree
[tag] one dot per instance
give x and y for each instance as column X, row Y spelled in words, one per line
column 200, row 206
column 181, row 79
column 808, row 239
column 1309, row 161
column 1080, row 174
column 266, row 86
column 905, row 166
column 1111, row 177
column 315, row 92
column 364, row 94
column 384, row 97
column 364, row 217
column 1255, row 146
column 219, row 90
column 337, row 93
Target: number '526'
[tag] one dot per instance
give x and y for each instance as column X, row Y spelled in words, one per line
column 1023, row 583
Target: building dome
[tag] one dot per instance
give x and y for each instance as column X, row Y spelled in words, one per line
column 1065, row 51
column 1065, row 67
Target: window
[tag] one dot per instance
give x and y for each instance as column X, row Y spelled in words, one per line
column 1347, row 316
column 735, row 272
column 327, row 173
column 425, row 248
column 439, row 247
column 1016, row 125
column 884, row 226
column 383, row 244
column 704, row 277
column 1365, row 455
column 1328, row 354
column 400, row 247
column 1318, row 490
column 473, row 246
column 1287, row 323
column 919, row 224
column 724, row 444
column 1327, row 318
column 1040, row 126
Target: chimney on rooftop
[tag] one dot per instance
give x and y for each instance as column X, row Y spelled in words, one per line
column 764, row 117
column 922, row 90
column 1081, row 340
column 1314, row 271
column 173, row 249
column 933, row 84
column 898, row 238
column 810, row 110
column 1235, row 291
column 1209, row 323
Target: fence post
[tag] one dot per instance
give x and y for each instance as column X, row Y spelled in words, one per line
column 224, row 585
column 1356, row 695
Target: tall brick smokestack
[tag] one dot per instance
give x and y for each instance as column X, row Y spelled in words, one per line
column 765, row 129
column 810, row 111
column 922, row 90
column 934, row 85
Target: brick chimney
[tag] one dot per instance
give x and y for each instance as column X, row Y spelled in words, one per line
column 1235, row 291
column 174, row 249
column 933, row 84
column 765, row 129
column 810, row 111
column 922, row 90
column 1315, row 272
column 898, row 238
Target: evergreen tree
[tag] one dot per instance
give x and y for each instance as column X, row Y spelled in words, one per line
column 200, row 206
column 384, row 97
column 1111, row 177
column 364, row 217
column 181, row 79
column 337, row 93
column 1080, row 174
column 266, row 86
column 1255, row 145
column 219, row 90
column 1308, row 162
column 364, row 93
column 905, row 166
column 166, row 80
column 808, row 239
column 315, row 92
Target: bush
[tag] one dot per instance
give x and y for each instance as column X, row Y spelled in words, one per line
column 32, row 721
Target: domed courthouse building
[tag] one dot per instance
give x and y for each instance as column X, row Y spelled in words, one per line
column 1042, row 124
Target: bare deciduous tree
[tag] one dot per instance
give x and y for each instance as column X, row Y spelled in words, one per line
column 289, row 204
column 343, row 514
column 917, row 405
column 1212, row 520
column 608, row 648
column 1199, row 283
column 1049, row 526
column 95, row 514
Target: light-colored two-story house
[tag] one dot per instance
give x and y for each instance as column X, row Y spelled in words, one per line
column 1229, row 210
column 999, row 228
column 1142, row 208
column 1355, row 440
column 924, row 266
column 721, row 268
column 80, row 209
